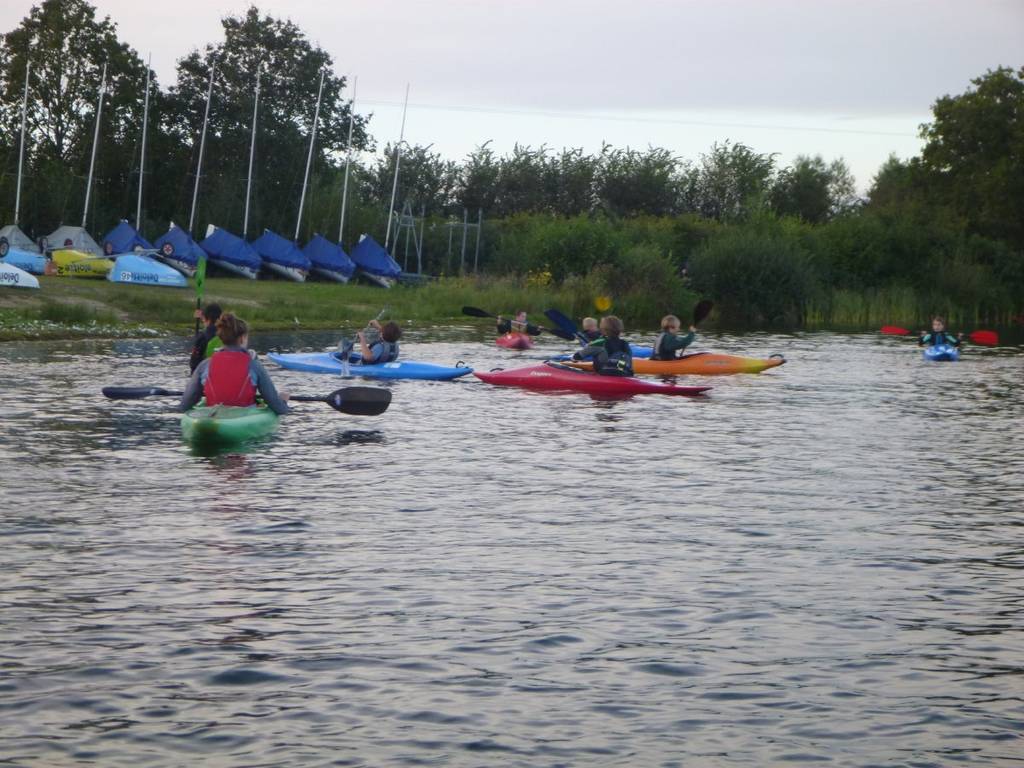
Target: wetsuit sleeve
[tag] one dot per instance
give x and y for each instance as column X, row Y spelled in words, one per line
column 267, row 389
column 194, row 390
column 533, row 330
column 924, row 340
column 673, row 343
column 198, row 351
column 591, row 349
column 504, row 326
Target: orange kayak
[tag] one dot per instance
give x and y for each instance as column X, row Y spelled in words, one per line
column 698, row 364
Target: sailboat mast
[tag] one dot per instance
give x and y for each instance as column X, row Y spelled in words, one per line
column 95, row 141
column 202, row 147
column 21, row 150
column 398, row 159
column 309, row 157
column 348, row 157
column 252, row 154
column 142, row 156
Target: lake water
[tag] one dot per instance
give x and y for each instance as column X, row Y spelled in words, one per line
column 820, row 565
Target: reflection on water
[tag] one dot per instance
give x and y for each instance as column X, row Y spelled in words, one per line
column 818, row 565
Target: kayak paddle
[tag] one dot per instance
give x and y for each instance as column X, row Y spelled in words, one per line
column 477, row 312
column 702, row 310
column 355, row 401
column 567, row 325
column 984, row 338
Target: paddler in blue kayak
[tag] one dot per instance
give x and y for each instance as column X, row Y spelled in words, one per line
column 385, row 348
column 590, row 330
column 939, row 335
column 232, row 375
column 669, row 345
column 610, row 353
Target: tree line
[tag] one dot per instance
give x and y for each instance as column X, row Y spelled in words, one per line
column 770, row 240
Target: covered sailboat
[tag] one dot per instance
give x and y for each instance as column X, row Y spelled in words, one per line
column 374, row 263
column 281, row 256
column 329, row 260
column 180, row 251
column 125, row 245
column 17, row 249
column 230, row 252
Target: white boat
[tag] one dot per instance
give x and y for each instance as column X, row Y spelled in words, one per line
column 13, row 277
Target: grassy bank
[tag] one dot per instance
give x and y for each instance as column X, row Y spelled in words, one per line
column 78, row 308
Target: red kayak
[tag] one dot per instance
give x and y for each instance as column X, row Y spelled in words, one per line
column 514, row 341
column 554, row 377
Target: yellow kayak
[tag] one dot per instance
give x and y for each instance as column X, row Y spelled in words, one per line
column 698, row 364
column 71, row 263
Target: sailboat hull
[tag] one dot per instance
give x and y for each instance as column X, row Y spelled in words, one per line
column 236, row 269
column 330, row 274
column 291, row 273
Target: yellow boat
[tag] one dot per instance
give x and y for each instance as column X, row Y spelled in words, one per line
column 71, row 263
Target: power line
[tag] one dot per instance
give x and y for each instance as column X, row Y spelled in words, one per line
column 636, row 119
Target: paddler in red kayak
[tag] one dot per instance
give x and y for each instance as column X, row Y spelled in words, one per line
column 611, row 353
column 232, row 375
column 518, row 325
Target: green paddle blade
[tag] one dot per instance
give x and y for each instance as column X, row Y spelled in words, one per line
column 200, row 278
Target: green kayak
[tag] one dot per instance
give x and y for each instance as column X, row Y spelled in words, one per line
column 226, row 424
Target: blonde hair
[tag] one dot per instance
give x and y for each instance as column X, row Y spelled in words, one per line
column 611, row 325
column 230, row 328
column 668, row 320
column 589, row 321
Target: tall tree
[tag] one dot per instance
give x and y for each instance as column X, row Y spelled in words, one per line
column 975, row 148
column 68, row 47
column 289, row 66
column 729, row 182
column 813, row 190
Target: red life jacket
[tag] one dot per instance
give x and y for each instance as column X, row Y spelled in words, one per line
column 227, row 379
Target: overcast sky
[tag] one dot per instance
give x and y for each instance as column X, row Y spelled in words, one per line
column 843, row 79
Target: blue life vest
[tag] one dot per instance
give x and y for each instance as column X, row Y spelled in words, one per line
column 384, row 351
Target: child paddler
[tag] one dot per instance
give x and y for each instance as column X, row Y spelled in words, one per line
column 385, row 348
column 519, row 325
column 669, row 344
column 205, row 342
column 232, row 375
column 611, row 353
column 590, row 330
column 939, row 335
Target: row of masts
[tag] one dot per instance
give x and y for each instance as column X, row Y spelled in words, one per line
column 202, row 150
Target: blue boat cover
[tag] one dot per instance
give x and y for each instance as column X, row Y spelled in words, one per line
column 222, row 245
column 143, row 270
column 371, row 257
column 275, row 249
column 183, row 247
column 324, row 254
column 124, row 238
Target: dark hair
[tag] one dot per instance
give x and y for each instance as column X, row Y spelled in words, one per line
column 230, row 329
column 212, row 312
column 940, row 318
column 391, row 331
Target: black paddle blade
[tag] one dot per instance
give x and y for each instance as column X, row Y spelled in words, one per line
column 560, row 333
column 702, row 310
column 137, row 393
column 355, row 401
column 476, row 312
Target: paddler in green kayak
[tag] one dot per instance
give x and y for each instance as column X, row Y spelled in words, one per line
column 232, row 375
column 611, row 353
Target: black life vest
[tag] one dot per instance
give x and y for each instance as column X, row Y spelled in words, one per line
column 658, row 354
column 619, row 361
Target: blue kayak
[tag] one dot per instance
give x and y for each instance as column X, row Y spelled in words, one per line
column 941, row 352
column 330, row 362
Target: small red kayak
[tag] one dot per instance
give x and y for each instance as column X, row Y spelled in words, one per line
column 559, row 378
column 514, row 341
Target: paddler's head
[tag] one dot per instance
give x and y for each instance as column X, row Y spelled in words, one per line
column 233, row 331
column 611, row 326
column 211, row 313
column 670, row 324
column 589, row 324
column 521, row 316
column 938, row 324
column 391, row 331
